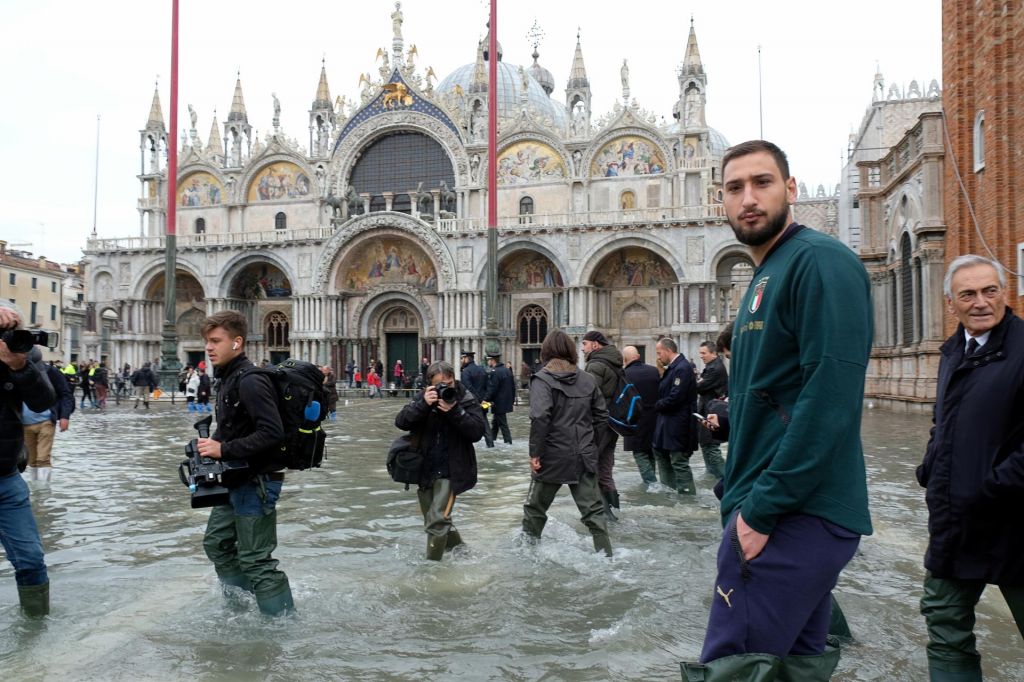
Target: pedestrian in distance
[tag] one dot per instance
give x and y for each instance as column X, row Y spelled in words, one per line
column 566, row 409
column 25, row 387
column 475, row 379
column 604, row 361
column 646, row 379
column 794, row 501
column 331, row 389
column 40, row 428
column 675, row 430
column 973, row 468
column 242, row 535
column 501, row 394
column 350, row 367
column 373, row 383
column 712, row 384
column 192, row 391
column 205, row 390
column 445, row 420
column 144, row 381
column 100, row 381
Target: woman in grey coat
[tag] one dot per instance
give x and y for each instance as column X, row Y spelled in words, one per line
column 566, row 406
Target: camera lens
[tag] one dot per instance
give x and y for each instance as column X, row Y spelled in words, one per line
column 447, row 394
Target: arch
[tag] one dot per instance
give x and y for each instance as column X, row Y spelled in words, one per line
column 601, row 153
column 103, row 285
column 531, row 325
column 190, row 323
column 526, row 205
column 140, row 283
column 526, row 160
column 904, row 216
column 633, row 266
column 397, row 163
column 280, row 221
column 635, row 318
column 345, row 237
column 627, row 200
column 240, row 262
column 386, row 258
column 200, row 226
column 515, row 246
column 906, row 284
column 187, row 288
column 279, row 177
column 276, row 328
column 354, row 141
column 528, row 270
column 259, row 280
column 377, row 302
column 978, row 139
column 653, row 243
column 199, row 188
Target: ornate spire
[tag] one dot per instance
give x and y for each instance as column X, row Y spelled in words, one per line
column 237, row 112
column 214, row 145
column 156, row 114
column 692, row 63
column 480, row 71
column 578, row 75
column 487, row 44
column 323, row 93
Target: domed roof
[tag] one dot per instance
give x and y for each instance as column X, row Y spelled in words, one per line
column 541, row 75
column 717, row 140
column 509, row 85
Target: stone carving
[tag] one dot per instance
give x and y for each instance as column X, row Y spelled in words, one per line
column 694, row 250
column 305, row 264
column 464, row 259
column 914, row 91
column 396, row 21
column 933, row 89
column 624, row 75
column 124, row 274
column 404, row 291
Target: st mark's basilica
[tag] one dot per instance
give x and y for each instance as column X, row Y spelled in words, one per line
column 372, row 242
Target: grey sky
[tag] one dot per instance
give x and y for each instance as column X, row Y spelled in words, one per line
column 67, row 62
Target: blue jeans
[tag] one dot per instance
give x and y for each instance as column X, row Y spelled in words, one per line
column 18, row 532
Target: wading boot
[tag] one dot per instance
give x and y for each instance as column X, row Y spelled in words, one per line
column 606, row 499
column 817, row 668
column 44, row 473
column 435, row 546
column 738, row 668
column 232, row 586
column 35, row 599
column 838, row 629
column 969, row 675
column 278, row 604
column 602, row 543
column 453, row 540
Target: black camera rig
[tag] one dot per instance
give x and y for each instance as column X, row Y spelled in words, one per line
column 22, row 340
column 208, row 479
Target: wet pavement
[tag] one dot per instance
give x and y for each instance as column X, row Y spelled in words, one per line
column 134, row 597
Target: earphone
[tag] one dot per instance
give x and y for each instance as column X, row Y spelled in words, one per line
column 234, row 346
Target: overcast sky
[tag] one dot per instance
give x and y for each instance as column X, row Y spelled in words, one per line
column 67, row 62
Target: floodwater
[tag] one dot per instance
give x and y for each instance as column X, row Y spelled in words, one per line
column 134, row 597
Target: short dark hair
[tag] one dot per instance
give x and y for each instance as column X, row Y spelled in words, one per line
column 668, row 344
column 231, row 321
column 557, row 344
column 753, row 147
column 441, row 367
column 725, row 336
column 710, row 345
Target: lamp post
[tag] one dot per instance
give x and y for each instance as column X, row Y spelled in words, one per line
column 169, row 363
column 491, row 345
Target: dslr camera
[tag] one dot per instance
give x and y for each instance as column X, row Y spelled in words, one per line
column 22, row 340
column 208, row 479
column 446, row 392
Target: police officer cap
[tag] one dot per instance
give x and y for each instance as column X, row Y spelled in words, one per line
column 467, row 354
column 494, row 356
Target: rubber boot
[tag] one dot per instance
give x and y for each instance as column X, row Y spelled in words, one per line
column 35, row 600
column 435, row 546
column 738, row 668
column 241, row 581
column 279, row 604
column 602, row 543
column 453, row 540
column 939, row 675
column 606, row 499
column 838, row 629
column 190, row 407
column 614, row 501
column 817, row 668
column 44, row 473
column 209, row 407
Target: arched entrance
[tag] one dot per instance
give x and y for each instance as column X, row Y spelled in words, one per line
column 533, row 327
column 733, row 275
column 276, row 336
column 260, row 290
column 189, row 313
column 633, row 291
column 399, row 329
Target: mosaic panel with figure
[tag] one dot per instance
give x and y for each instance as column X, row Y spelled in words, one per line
column 634, row 266
column 387, row 260
column 526, row 162
column 186, row 288
column 198, row 189
column 629, row 155
column 279, row 181
column 260, row 280
column 528, row 270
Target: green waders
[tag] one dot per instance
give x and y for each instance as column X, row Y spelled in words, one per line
column 675, row 471
column 764, row 668
column 35, row 599
column 436, row 503
column 588, row 500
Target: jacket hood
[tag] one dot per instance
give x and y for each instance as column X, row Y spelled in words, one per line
column 609, row 354
column 567, row 378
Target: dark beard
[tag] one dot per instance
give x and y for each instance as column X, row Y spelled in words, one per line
column 772, row 228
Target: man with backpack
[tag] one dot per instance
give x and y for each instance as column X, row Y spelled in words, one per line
column 144, row 382
column 604, row 361
column 241, row 535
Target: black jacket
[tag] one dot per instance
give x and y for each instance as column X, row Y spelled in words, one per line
column 474, row 378
column 676, row 429
column 204, row 386
column 248, row 419
column 604, row 363
column 973, row 468
column 446, row 438
column 713, row 383
column 144, row 377
column 646, row 379
column 64, row 406
column 27, row 385
column 566, row 408
column 501, row 390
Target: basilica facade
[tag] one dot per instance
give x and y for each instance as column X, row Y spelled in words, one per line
column 372, row 242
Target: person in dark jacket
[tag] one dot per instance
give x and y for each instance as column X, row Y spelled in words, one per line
column 645, row 378
column 712, row 384
column 331, row 391
column 350, row 368
column 604, row 362
column 24, row 384
column 474, row 378
column 445, row 432
column 566, row 408
column 973, row 468
column 501, row 394
column 241, row 535
column 144, row 381
column 41, row 427
column 675, row 431
column 100, row 384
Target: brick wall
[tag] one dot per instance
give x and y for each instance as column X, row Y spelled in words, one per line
column 983, row 69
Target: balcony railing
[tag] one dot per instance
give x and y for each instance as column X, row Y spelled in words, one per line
column 212, row 239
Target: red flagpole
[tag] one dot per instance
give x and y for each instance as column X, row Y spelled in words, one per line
column 492, row 122
column 172, row 151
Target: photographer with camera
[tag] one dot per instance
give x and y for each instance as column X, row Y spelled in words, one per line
column 445, row 421
column 242, row 534
column 23, row 383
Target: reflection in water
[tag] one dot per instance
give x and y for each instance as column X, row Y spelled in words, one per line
column 134, row 597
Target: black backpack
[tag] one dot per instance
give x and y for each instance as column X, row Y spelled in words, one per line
column 405, row 460
column 302, row 403
column 625, row 407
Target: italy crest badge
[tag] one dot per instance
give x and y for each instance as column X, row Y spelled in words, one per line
column 755, row 301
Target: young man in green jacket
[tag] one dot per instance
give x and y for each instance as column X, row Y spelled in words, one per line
column 795, row 498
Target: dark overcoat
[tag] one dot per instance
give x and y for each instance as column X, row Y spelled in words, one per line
column 646, row 378
column 501, row 390
column 474, row 378
column 676, row 428
column 973, row 467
